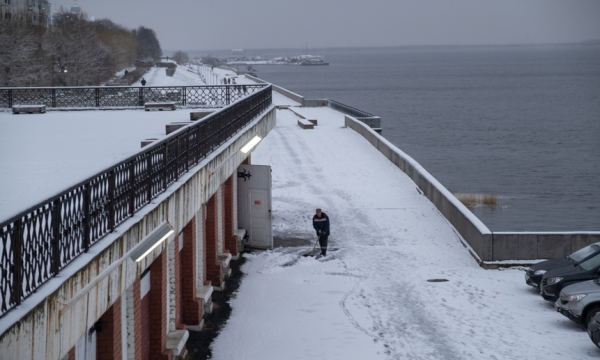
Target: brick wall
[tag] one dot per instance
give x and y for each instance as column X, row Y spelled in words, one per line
column 137, row 315
column 108, row 339
column 220, row 207
column 178, row 285
column 231, row 244
column 204, row 246
column 191, row 308
column 158, row 310
column 213, row 268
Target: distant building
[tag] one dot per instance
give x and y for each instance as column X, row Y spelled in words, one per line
column 36, row 11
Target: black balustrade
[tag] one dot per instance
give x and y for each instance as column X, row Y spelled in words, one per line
column 37, row 243
column 208, row 96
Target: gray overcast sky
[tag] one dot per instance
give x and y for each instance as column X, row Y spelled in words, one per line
column 229, row 24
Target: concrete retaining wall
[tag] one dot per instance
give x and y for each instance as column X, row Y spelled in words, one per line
column 488, row 247
column 314, row 102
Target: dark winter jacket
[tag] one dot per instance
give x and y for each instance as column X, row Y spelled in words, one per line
column 321, row 223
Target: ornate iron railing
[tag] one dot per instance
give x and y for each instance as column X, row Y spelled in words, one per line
column 37, row 243
column 210, row 96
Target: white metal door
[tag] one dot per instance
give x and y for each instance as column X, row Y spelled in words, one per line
column 254, row 204
column 260, row 217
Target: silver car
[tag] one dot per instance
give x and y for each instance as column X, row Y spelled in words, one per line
column 580, row 302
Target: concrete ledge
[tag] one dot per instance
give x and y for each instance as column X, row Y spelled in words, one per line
column 172, row 127
column 221, row 287
column 176, row 341
column 29, row 109
column 224, row 259
column 373, row 122
column 240, row 233
column 314, row 102
column 305, row 124
column 241, row 237
column 197, row 115
column 146, row 142
column 195, row 328
column 204, row 293
column 168, row 105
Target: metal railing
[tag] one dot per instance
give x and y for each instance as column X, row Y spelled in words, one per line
column 209, row 96
column 348, row 110
column 37, row 243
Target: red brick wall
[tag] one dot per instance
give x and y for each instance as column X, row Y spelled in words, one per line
column 137, row 319
column 178, row 284
column 231, row 244
column 158, row 311
column 204, row 242
column 108, row 339
column 213, row 268
column 191, row 308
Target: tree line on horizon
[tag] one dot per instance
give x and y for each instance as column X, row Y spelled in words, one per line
column 73, row 51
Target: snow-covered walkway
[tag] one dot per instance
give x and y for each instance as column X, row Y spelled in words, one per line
column 370, row 298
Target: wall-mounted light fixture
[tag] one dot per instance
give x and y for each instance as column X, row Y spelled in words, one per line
column 152, row 240
column 245, row 149
column 255, row 140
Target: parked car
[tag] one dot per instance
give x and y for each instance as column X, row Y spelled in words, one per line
column 594, row 330
column 580, row 302
column 555, row 280
column 534, row 274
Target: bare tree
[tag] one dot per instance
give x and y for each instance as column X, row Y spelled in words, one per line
column 24, row 59
column 181, row 57
column 73, row 52
column 123, row 43
column 82, row 59
column 149, row 47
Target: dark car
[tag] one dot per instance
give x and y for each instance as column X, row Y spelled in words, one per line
column 534, row 274
column 594, row 329
column 555, row 280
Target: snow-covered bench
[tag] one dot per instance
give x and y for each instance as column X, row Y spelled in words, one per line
column 168, row 105
column 29, row 109
column 305, row 124
column 197, row 115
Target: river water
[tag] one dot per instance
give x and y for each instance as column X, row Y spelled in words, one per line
column 521, row 123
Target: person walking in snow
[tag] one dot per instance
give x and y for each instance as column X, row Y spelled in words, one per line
column 143, row 82
column 321, row 225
